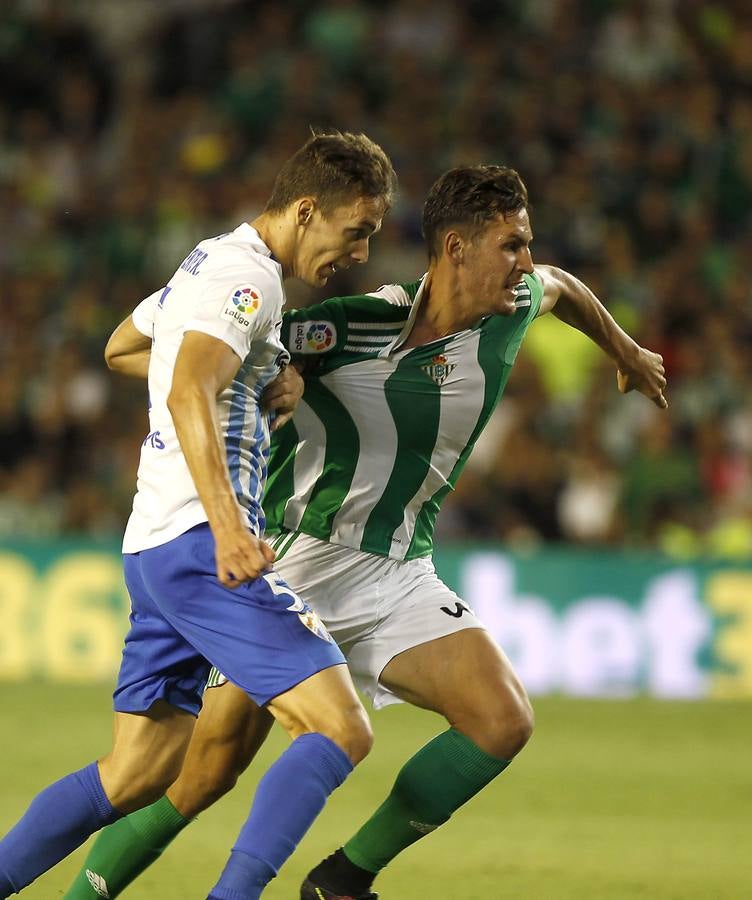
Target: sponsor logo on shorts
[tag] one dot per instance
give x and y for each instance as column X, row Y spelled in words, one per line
column 313, row 623
column 459, row 609
column 439, row 369
column 307, row 616
column 242, row 305
column 313, row 337
column 98, row 883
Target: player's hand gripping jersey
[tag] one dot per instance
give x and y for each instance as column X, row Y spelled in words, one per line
column 231, row 288
column 382, row 434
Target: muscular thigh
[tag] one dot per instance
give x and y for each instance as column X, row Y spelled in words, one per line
column 464, row 670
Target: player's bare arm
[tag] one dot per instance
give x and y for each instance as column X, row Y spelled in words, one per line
column 204, row 367
column 282, row 395
column 574, row 303
column 128, row 351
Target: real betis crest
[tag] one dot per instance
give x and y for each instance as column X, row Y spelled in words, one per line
column 439, row 369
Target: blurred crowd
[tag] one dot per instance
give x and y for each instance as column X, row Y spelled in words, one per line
column 128, row 131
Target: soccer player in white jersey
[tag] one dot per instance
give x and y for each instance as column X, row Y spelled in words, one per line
column 196, row 566
column 399, row 385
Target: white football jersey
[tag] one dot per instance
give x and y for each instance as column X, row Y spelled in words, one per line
column 229, row 287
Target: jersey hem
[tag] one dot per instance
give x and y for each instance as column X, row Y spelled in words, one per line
column 136, row 545
column 329, row 539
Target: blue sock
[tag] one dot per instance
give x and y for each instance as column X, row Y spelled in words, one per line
column 288, row 798
column 59, row 819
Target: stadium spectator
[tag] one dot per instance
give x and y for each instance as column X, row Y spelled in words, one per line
column 124, row 135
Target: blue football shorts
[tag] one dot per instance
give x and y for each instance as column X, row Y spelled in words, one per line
column 262, row 635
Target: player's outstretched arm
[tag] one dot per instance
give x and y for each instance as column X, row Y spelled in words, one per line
column 128, row 351
column 204, row 367
column 573, row 302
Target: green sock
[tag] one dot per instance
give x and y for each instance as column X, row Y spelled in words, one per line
column 431, row 785
column 123, row 850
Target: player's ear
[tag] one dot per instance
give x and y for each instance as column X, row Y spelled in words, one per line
column 454, row 247
column 304, row 210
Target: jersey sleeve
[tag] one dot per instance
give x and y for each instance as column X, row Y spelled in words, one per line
column 143, row 315
column 529, row 296
column 535, row 284
column 316, row 330
column 236, row 305
column 342, row 323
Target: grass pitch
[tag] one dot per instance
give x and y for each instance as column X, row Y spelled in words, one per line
column 611, row 800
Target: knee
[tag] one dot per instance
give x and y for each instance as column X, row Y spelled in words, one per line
column 352, row 733
column 519, row 728
column 349, row 729
column 361, row 741
column 327, row 704
column 501, row 730
column 511, row 727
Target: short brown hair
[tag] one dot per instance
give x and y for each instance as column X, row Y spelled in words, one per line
column 470, row 196
column 334, row 167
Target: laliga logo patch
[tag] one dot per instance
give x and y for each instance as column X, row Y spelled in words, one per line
column 246, row 299
column 312, row 337
column 242, row 305
column 319, row 337
column 439, row 369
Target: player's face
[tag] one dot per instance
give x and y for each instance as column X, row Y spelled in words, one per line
column 496, row 260
column 336, row 241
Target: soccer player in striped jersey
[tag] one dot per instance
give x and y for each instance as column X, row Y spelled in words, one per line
column 399, row 385
column 196, row 566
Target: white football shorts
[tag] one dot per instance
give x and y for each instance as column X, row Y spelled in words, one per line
column 374, row 607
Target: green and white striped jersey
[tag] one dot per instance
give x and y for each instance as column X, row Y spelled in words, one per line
column 382, row 434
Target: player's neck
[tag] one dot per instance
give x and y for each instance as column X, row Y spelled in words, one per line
column 442, row 309
column 275, row 232
column 431, row 324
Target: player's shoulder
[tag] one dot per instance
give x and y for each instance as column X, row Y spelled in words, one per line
column 240, row 259
column 242, row 247
column 402, row 294
column 390, row 303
